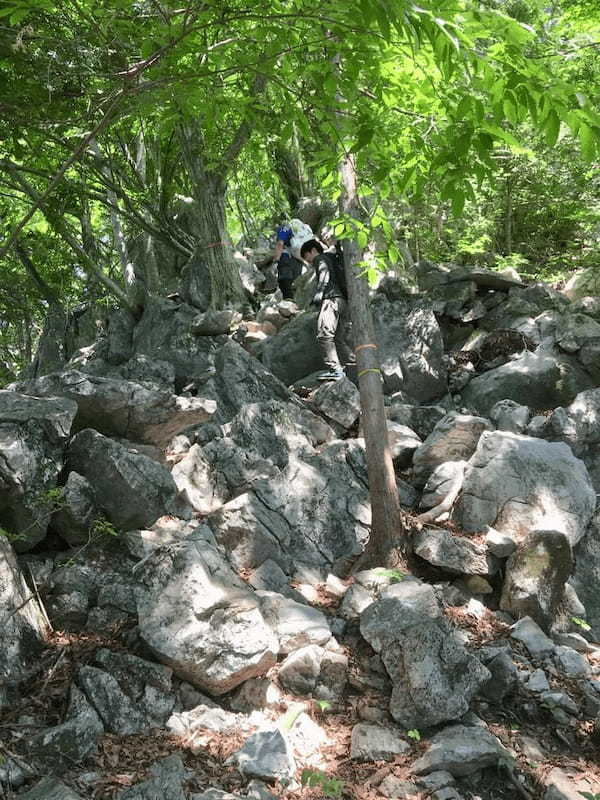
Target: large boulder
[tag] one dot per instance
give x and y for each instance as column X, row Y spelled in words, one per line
column 256, row 444
column 540, row 379
column 454, row 554
column 579, row 426
column 21, row 620
column 516, row 484
column 586, row 576
column 315, row 511
column 117, row 407
column 164, row 333
column 410, row 348
column 461, row 750
column 238, row 379
column 454, row 438
column 534, row 583
column 200, row 619
column 131, row 490
column 294, row 353
column 407, row 628
column 33, row 433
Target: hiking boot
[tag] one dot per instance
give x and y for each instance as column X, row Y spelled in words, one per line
column 332, row 375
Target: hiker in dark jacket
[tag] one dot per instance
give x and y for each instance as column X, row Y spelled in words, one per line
column 334, row 328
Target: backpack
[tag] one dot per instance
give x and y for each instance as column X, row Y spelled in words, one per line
column 336, row 265
column 301, row 233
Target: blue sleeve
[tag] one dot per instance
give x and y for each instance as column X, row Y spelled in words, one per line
column 284, row 234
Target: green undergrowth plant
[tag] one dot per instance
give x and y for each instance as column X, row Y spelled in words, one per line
column 331, row 787
column 415, row 734
column 395, row 575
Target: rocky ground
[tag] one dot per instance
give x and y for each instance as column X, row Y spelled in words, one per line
column 182, row 504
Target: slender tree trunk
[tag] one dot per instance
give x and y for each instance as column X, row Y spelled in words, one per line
column 508, row 217
column 387, row 543
column 133, row 286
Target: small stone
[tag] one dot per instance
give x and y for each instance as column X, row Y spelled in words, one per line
column 571, row 663
column 449, row 793
column 460, row 750
column 334, row 586
column 532, row 750
column 538, row 682
column 300, row 671
column 533, row 637
column 562, row 786
column 375, row 743
column 499, row 544
column 266, row 755
column 257, row 790
column 50, row 789
column 256, row 694
column 436, row 780
column 559, row 700
column 397, row 789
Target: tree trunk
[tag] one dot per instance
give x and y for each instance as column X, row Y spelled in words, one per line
column 210, row 227
column 387, row 543
column 508, row 217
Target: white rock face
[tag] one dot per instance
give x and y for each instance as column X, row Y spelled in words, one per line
column 454, row 438
column 21, row 622
column 517, row 484
column 200, row 619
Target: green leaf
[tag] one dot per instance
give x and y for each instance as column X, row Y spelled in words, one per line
column 551, row 128
column 458, row 202
column 587, row 139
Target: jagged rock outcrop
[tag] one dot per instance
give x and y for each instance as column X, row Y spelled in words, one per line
column 200, row 619
column 33, row 434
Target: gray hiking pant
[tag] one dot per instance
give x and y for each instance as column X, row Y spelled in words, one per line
column 334, row 333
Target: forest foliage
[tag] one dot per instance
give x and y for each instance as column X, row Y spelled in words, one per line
column 136, row 136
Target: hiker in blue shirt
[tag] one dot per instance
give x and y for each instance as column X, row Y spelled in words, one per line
column 288, row 267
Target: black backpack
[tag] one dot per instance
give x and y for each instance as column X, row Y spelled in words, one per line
column 336, row 265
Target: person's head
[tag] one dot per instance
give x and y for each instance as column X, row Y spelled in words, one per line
column 310, row 250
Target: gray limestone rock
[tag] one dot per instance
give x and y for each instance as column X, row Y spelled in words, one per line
column 295, row 624
column 420, row 419
column 574, row 330
column 215, row 323
column 461, row 751
column 403, row 442
column 563, row 786
column 586, row 577
column 545, row 380
column 257, row 444
column 50, row 789
column 21, row 620
column 571, row 663
column 533, row 637
column 314, row 512
column 510, row 416
column 578, row 426
column 455, row 554
column 33, row 433
column 397, row 789
column 410, row 348
column 517, row 484
column 265, row 755
column 535, row 576
column 116, row 407
column 120, row 478
column 200, row 619
column 294, row 353
column 376, row 743
column 538, row 682
column 77, row 511
column 454, row 438
column 57, row 749
column 116, row 710
column 166, row 782
column 339, row 401
column 407, row 628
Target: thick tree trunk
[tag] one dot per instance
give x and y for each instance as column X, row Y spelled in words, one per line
column 387, row 544
column 214, row 248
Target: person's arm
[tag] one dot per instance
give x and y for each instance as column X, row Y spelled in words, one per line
column 278, row 250
column 322, row 272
